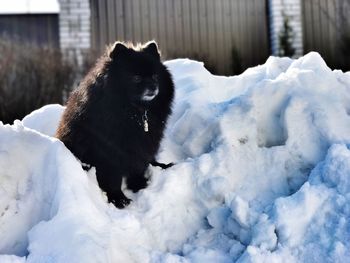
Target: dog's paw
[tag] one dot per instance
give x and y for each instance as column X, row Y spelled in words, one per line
column 121, row 203
column 119, row 200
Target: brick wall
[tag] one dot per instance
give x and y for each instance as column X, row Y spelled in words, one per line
column 292, row 9
column 74, row 24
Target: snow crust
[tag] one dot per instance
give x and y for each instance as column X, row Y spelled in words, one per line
column 262, row 174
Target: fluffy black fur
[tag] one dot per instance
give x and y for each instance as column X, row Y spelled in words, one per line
column 103, row 124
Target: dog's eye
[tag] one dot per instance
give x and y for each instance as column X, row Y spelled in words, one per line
column 136, row 79
column 155, row 77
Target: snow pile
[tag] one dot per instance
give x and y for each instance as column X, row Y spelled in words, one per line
column 44, row 120
column 262, row 174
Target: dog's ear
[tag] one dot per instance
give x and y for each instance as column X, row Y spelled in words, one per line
column 118, row 48
column 152, row 49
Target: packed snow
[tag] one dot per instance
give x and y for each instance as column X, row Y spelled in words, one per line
column 261, row 174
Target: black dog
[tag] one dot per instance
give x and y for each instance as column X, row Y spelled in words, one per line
column 116, row 117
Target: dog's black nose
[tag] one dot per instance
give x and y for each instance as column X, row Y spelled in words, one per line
column 152, row 88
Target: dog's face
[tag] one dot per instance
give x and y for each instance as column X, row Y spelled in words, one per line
column 138, row 71
column 144, row 86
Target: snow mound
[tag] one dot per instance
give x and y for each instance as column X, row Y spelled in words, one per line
column 262, row 174
column 44, row 120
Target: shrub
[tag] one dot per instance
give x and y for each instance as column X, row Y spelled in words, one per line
column 286, row 36
column 237, row 67
column 31, row 77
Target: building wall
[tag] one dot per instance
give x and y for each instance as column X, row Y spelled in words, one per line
column 211, row 30
column 291, row 9
column 228, row 35
column 74, row 23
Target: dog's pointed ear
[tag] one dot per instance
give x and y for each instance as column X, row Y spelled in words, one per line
column 118, row 48
column 152, row 49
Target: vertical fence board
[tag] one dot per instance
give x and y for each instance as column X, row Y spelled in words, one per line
column 212, row 56
column 103, row 39
column 195, row 25
column 178, row 24
column 202, row 11
column 219, row 38
column 145, row 20
column 331, row 7
column 119, row 19
column 227, row 33
column 235, row 22
column 136, row 18
column 153, row 22
column 186, row 24
column 162, row 27
column 323, row 29
column 170, row 30
column 128, row 21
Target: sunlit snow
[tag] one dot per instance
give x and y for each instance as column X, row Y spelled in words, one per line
column 261, row 174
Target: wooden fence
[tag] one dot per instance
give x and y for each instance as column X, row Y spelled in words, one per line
column 40, row 29
column 326, row 29
column 229, row 35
